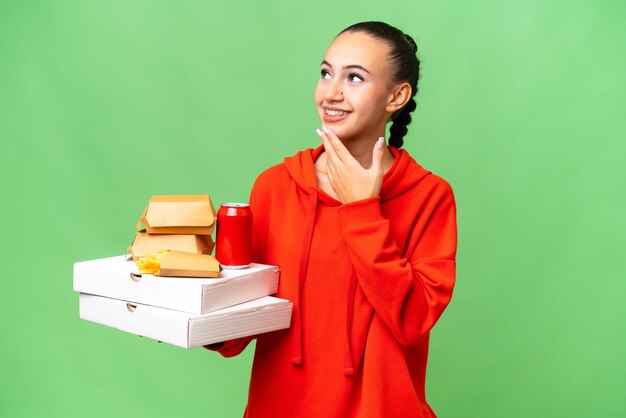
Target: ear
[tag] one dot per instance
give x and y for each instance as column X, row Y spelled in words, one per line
column 398, row 97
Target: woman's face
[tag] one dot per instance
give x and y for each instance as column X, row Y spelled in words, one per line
column 354, row 89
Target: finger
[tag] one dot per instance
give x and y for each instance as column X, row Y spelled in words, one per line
column 330, row 170
column 340, row 150
column 328, row 146
column 377, row 155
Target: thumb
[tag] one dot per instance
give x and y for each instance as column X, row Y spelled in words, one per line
column 377, row 155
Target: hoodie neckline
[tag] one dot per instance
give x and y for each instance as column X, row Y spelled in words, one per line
column 403, row 174
column 394, row 153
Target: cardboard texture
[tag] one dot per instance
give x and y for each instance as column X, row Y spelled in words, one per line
column 185, row 329
column 179, row 215
column 145, row 243
column 116, row 277
column 181, row 264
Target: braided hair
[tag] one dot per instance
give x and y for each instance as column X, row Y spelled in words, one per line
column 406, row 68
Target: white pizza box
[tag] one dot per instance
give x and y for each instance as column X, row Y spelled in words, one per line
column 184, row 329
column 118, row 278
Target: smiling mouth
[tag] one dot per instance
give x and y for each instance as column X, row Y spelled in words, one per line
column 336, row 112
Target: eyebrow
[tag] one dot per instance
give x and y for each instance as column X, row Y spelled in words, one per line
column 360, row 67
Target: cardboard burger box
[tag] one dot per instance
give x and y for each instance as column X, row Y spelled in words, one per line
column 179, row 215
column 185, row 329
column 178, row 263
column 145, row 244
column 119, row 278
column 175, row 222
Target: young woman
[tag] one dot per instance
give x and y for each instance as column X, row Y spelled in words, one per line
column 365, row 239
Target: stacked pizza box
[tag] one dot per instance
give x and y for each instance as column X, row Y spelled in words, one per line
column 185, row 311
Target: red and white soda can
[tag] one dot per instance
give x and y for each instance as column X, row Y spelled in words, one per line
column 233, row 246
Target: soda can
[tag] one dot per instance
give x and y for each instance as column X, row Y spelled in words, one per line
column 233, row 246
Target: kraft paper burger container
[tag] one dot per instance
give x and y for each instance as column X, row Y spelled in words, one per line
column 119, row 278
column 145, row 244
column 181, row 264
column 179, row 215
column 184, row 329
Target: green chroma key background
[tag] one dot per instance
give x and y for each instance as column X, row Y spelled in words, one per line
column 521, row 107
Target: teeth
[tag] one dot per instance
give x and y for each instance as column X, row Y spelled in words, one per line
column 330, row 112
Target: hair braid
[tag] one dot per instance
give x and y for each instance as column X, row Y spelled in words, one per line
column 398, row 128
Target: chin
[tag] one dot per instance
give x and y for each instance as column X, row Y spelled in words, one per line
column 345, row 133
column 341, row 132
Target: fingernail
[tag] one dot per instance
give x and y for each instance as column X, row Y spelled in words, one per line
column 380, row 143
column 326, row 129
column 318, row 132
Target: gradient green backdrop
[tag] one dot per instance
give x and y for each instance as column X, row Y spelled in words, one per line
column 521, row 107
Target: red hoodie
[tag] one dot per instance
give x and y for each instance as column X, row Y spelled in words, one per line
column 368, row 280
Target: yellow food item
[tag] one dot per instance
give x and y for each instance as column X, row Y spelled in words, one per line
column 151, row 263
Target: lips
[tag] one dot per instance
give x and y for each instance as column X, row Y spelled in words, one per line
column 331, row 112
column 335, row 115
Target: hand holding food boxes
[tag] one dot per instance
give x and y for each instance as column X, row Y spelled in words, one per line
column 186, row 299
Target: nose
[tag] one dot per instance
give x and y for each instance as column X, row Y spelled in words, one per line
column 334, row 92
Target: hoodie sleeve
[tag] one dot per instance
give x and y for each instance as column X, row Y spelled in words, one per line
column 230, row 348
column 409, row 290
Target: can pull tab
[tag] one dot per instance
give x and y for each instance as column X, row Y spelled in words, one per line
column 131, row 307
column 135, row 276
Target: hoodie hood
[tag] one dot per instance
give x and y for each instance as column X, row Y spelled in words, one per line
column 404, row 174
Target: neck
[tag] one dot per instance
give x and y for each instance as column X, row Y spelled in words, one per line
column 362, row 150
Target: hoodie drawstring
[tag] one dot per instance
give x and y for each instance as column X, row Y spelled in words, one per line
column 304, row 263
column 348, row 363
column 359, row 318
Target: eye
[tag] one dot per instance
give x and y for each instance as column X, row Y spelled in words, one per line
column 325, row 74
column 355, row 78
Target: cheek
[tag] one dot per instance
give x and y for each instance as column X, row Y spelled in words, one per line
column 373, row 100
column 362, row 100
column 319, row 93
